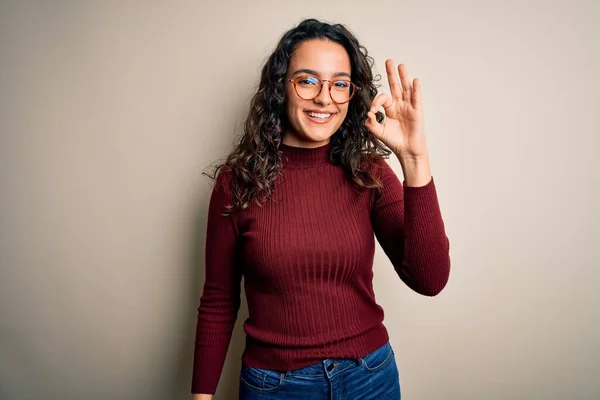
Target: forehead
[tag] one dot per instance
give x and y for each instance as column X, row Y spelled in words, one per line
column 323, row 56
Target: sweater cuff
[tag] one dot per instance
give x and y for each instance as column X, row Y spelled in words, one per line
column 430, row 185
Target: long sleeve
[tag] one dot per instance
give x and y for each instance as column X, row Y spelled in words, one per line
column 408, row 225
column 220, row 300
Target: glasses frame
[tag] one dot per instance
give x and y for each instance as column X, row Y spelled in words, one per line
column 321, row 82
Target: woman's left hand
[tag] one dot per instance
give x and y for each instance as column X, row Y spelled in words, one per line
column 402, row 130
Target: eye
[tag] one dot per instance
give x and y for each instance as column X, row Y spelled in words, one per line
column 341, row 84
column 308, row 81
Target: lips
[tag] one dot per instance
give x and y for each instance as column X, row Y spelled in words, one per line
column 319, row 117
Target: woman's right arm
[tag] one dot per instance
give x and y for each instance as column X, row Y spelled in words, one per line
column 220, row 300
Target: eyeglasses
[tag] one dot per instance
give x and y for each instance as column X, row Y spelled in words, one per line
column 309, row 88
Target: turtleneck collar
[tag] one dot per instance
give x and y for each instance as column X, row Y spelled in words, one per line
column 302, row 157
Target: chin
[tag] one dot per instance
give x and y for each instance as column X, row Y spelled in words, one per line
column 319, row 133
column 317, row 136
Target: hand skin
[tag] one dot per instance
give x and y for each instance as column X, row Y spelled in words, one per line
column 202, row 396
column 403, row 130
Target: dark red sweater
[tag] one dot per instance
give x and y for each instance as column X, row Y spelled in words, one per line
column 307, row 263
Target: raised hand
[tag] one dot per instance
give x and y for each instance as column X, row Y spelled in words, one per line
column 402, row 130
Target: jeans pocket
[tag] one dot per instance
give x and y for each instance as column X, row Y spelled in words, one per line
column 379, row 358
column 262, row 380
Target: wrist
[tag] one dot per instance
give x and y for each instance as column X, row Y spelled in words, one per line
column 413, row 161
column 202, row 396
column 416, row 169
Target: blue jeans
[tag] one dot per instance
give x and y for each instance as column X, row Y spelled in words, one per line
column 375, row 376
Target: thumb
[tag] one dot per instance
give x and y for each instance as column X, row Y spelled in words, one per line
column 373, row 126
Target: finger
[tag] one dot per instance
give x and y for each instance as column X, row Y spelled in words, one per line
column 416, row 94
column 382, row 100
column 394, row 81
column 373, row 126
column 406, row 86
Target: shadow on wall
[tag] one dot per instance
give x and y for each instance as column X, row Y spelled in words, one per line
column 179, row 385
column 16, row 362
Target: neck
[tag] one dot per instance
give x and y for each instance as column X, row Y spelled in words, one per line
column 294, row 141
column 301, row 157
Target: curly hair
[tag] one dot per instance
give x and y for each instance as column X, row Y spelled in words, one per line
column 256, row 161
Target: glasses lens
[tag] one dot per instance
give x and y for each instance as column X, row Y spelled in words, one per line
column 308, row 87
column 341, row 91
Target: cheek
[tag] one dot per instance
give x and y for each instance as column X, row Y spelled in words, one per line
column 343, row 113
column 294, row 108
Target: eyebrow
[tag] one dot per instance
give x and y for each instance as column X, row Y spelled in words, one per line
column 313, row 72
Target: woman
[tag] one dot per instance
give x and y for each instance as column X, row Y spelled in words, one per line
column 295, row 211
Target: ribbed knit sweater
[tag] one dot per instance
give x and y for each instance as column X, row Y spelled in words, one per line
column 307, row 262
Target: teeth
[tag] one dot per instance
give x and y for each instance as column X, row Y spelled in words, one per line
column 319, row 115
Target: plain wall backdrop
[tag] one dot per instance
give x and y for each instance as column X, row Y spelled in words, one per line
column 110, row 111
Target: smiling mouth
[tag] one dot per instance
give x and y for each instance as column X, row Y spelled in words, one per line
column 319, row 117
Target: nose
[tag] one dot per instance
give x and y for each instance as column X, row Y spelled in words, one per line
column 324, row 96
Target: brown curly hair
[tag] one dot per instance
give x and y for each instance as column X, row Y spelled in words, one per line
column 255, row 161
